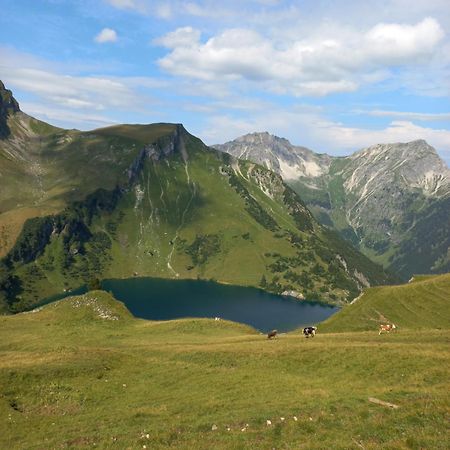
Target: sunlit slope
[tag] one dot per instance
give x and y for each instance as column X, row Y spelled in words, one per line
column 422, row 304
column 82, row 373
column 187, row 211
column 43, row 168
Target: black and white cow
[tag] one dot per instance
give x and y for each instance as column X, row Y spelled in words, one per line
column 309, row 331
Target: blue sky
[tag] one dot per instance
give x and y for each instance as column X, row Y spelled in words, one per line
column 335, row 76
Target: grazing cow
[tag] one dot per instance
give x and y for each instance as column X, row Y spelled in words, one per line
column 272, row 334
column 309, row 331
column 387, row 328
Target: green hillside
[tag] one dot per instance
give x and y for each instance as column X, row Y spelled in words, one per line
column 153, row 200
column 82, row 373
column 421, row 304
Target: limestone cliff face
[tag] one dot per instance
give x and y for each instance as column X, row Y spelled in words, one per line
column 279, row 155
column 163, row 147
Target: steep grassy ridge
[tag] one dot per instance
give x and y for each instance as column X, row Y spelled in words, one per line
column 422, row 304
column 82, row 373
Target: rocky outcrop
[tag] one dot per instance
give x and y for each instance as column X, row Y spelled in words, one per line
column 295, row 294
column 8, row 105
column 162, row 148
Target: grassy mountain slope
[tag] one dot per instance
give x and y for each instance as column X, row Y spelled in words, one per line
column 153, row 200
column 422, row 304
column 43, row 169
column 97, row 377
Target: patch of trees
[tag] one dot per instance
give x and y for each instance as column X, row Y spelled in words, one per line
column 10, row 285
column 33, row 239
column 99, row 201
column 297, row 209
column 204, row 247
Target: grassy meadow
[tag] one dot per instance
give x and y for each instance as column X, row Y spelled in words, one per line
column 421, row 304
column 83, row 373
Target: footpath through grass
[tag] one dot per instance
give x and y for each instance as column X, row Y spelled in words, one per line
column 82, row 373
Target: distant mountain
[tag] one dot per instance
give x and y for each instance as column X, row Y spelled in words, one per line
column 392, row 201
column 279, row 155
column 153, row 200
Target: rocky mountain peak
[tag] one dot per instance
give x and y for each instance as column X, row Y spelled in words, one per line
column 278, row 155
column 263, row 137
column 8, row 105
column 7, row 100
column 414, row 164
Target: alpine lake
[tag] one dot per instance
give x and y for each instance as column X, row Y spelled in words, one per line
column 165, row 299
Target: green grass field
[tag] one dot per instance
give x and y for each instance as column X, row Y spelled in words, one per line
column 422, row 304
column 83, row 373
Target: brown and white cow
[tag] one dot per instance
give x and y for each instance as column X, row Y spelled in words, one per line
column 387, row 328
column 272, row 334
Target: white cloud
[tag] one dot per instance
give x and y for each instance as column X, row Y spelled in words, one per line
column 164, row 10
column 54, row 89
column 311, row 65
column 106, row 35
column 66, row 118
column 397, row 43
column 407, row 115
column 123, row 4
column 136, row 5
column 182, row 38
column 343, row 137
column 96, row 93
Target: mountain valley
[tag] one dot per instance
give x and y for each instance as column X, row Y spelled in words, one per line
column 392, row 201
column 153, row 200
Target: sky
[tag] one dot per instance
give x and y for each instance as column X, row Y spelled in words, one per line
column 332, row 75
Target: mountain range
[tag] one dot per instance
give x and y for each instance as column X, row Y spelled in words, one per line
column 391, row 201
column 153, row 200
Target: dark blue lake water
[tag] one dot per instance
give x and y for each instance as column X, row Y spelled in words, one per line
column 160, row 299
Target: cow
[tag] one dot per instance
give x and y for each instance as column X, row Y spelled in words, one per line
column 309, row 331
column 386, row 328
column 272, row 334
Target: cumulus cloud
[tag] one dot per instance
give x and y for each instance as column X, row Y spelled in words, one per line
column 396, row 43
column 106, row 35
column 316, row 65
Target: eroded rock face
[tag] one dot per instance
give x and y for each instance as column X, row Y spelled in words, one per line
column 8, row 105
column 278, row 155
